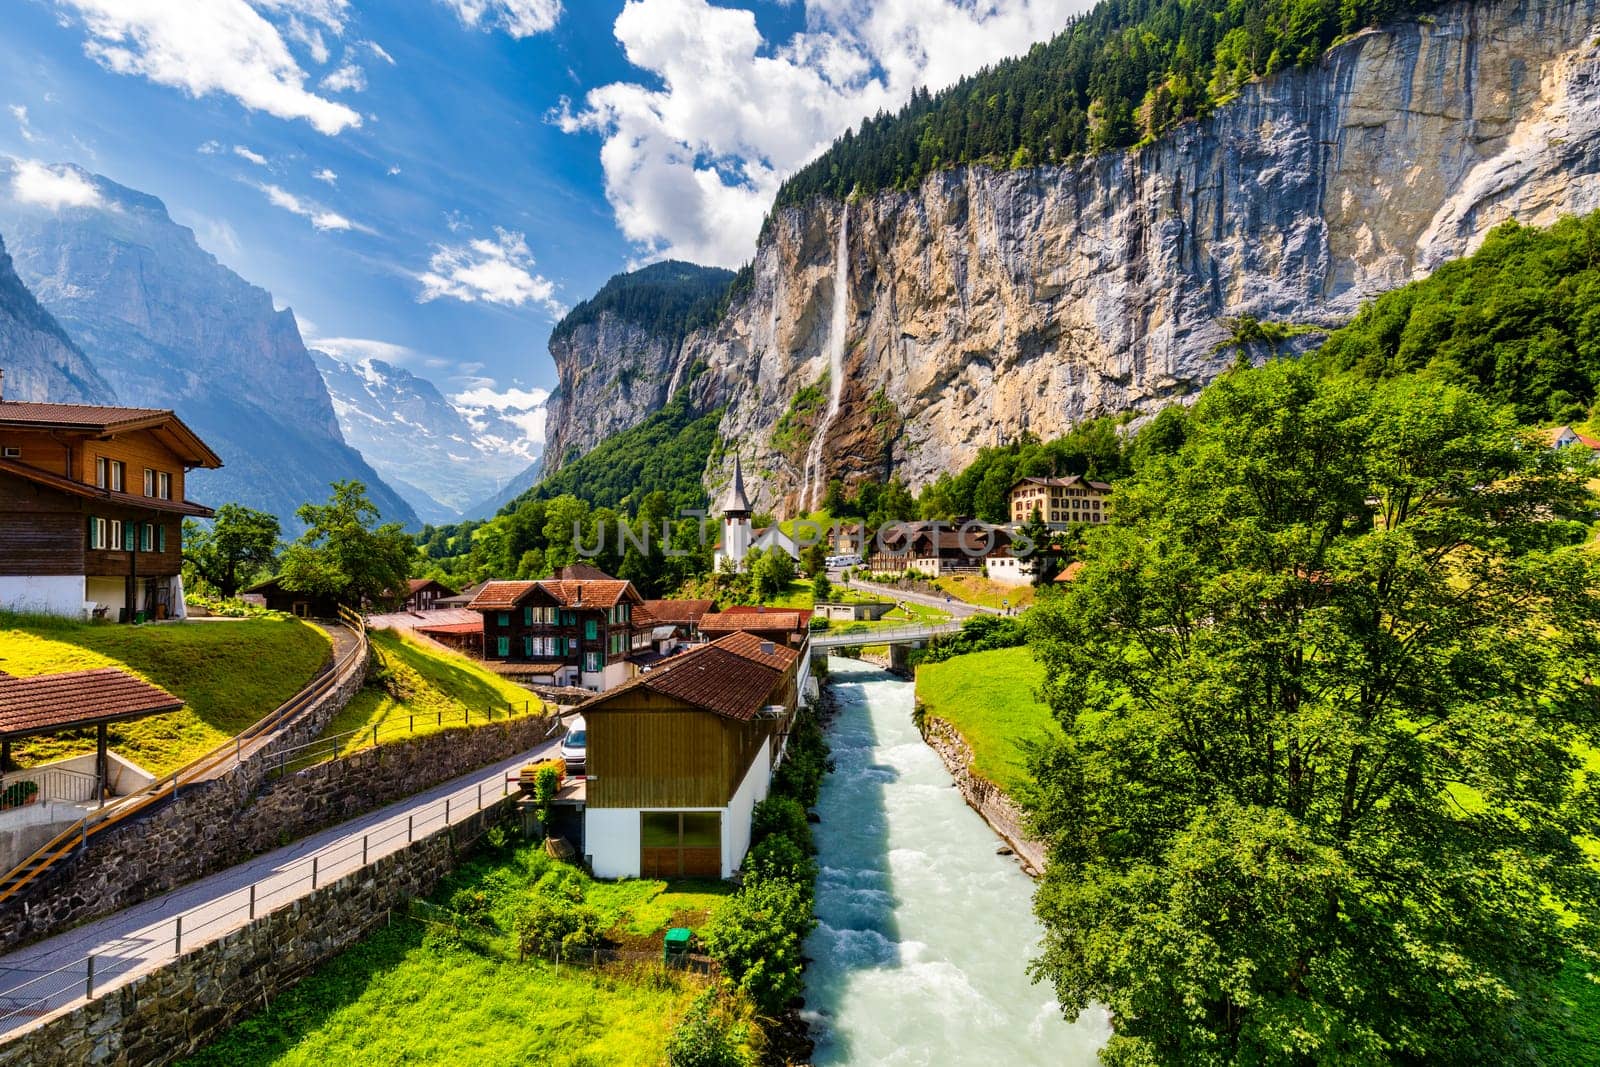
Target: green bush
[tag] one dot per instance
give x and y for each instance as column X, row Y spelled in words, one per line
column 781, row 815
column 780, row 856
column 555, row 926
column 800, row 776
column 757, row 935
column 704, row 1038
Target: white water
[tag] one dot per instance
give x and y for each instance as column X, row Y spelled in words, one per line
column 813, row 490
column 924, row 934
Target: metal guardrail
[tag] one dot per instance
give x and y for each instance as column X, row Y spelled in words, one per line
column 898, row 636
column 89, row 974
column 322, row 748
column 57, row 783
column 78, row 834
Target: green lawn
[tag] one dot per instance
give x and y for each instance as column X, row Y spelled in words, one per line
column 403, row 997
column 978, row 590
column 424, row 685
column 989, row 698
column 231, row 673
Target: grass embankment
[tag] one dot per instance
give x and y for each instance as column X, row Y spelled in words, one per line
column 405, row 995
column 975, row 589
column 414, row 689
column 230, row 673
column 989, row 697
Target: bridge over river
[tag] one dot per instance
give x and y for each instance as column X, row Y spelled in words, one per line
column 900, row 635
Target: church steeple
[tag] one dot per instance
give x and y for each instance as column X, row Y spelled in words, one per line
column 736, row 504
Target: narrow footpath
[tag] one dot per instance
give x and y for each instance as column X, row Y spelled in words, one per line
column 958, row 609
column 54, row 973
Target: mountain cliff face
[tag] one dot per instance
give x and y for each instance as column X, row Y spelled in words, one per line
column 442, row 458
column 169, row 326
column 39, row 360
column 903, row 331
column 617, row 353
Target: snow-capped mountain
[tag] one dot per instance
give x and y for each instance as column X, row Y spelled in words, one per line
column 444, row 455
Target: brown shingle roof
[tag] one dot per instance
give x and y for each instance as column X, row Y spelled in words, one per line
column 732, row 677
column 503, row 596
column 91, row 492
column 99, row 418
column 678, row 610
column 1062, row 483
column 723, row 622
column 48, row 703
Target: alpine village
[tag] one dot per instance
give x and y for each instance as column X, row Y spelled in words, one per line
column 712, row 533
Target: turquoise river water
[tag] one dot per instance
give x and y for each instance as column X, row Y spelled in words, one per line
column 924, row 934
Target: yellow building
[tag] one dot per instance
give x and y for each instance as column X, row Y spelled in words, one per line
column 1060, row 500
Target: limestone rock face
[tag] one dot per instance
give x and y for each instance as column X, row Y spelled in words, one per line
column 39, row 360
column 986, row 303
column 613, row 373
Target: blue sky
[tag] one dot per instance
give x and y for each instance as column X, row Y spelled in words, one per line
column 435, row 181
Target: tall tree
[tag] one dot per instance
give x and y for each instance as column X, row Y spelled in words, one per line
column 239, row 543
column 344, row 553
column 1322, row 681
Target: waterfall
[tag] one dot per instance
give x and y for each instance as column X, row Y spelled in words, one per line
column 813, row 489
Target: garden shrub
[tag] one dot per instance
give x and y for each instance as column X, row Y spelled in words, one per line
column 757, row 935
column 780, row 815
column 552, row 926
column 780, row 856
column 705, row 1037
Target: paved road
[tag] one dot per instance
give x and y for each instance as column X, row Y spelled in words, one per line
column 53, row 973
column 958, row 609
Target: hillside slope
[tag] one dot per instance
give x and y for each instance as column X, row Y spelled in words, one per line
column 40, row 361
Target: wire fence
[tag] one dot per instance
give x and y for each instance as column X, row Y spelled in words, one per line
column 90, row 975
column 321, row 749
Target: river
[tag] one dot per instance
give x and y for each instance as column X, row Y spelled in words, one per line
column 924, row 933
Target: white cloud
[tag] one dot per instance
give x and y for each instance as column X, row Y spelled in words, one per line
column 50, row 187
column 325, row 175
column 218, row 237
column 331, row 13
column 393, row 169
column 210, row 148
column 220, row 46
column 321, row 218
column 522, row 408
column 308, row 37
column 498, row 271
column 348, row 78
column 693, row 160
column 354, row 350
column 378, row 51
column 24, row 127
column 519, row 18
column 246, row 154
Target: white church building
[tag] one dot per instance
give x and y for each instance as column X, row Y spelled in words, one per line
column 739, row 539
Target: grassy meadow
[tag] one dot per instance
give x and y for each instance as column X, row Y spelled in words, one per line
column 989, row 698
column 230, row 672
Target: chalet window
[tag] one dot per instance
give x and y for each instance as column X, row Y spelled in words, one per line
column 503, row 646
column 129, row 533
column 591, row 661
column 674, row 844
column 569, row 618
column 161, row 538
column 149, row 482
column 13, row 452
column 591, row 629
column 504, row 620
column 147, row 537
column 109, row 473
column 99, row 534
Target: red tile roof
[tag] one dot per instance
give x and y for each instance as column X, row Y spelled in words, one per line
column 91, row 492
column 48, row 703
column 101, row 419
column 503, row 596
column 761, row 609
column 1070, row 572
column 678, row 610
column 451, row 628
column 733, row 677
column 732, row 621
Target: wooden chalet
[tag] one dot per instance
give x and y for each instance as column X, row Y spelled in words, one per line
column 785, row 626
column 557, row 631
column 937, row 548
column 678, row 758
column 424, row 594
column 92, row 507
column 270, row 593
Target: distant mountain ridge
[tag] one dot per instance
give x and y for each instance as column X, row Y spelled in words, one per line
column 445, row 458
column 167, row 325
column 39, row 360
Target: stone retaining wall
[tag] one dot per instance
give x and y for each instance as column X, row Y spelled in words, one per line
column 217, row 824
column 982, row 795
column 171, row 1012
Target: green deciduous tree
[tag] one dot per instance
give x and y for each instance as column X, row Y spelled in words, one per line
column 238, row 544
column 1321, row 682
column 770, row 573
column 345, row 553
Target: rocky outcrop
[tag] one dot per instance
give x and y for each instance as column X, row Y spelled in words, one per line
column 987, row 303
column 614, row 373
column 982, row 795
column 39, row 360
column 170, row 327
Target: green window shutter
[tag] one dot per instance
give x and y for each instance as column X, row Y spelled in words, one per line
column 161, row 538
column 527, row 616
column 527, row 647
column 505, row 619
column 91, row 531
column 504, row 646
column 591, row 629
column 127, row 536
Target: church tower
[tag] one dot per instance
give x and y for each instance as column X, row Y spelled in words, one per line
column 735, row 521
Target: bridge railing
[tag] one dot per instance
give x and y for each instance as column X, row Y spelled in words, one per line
column 896, row 636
